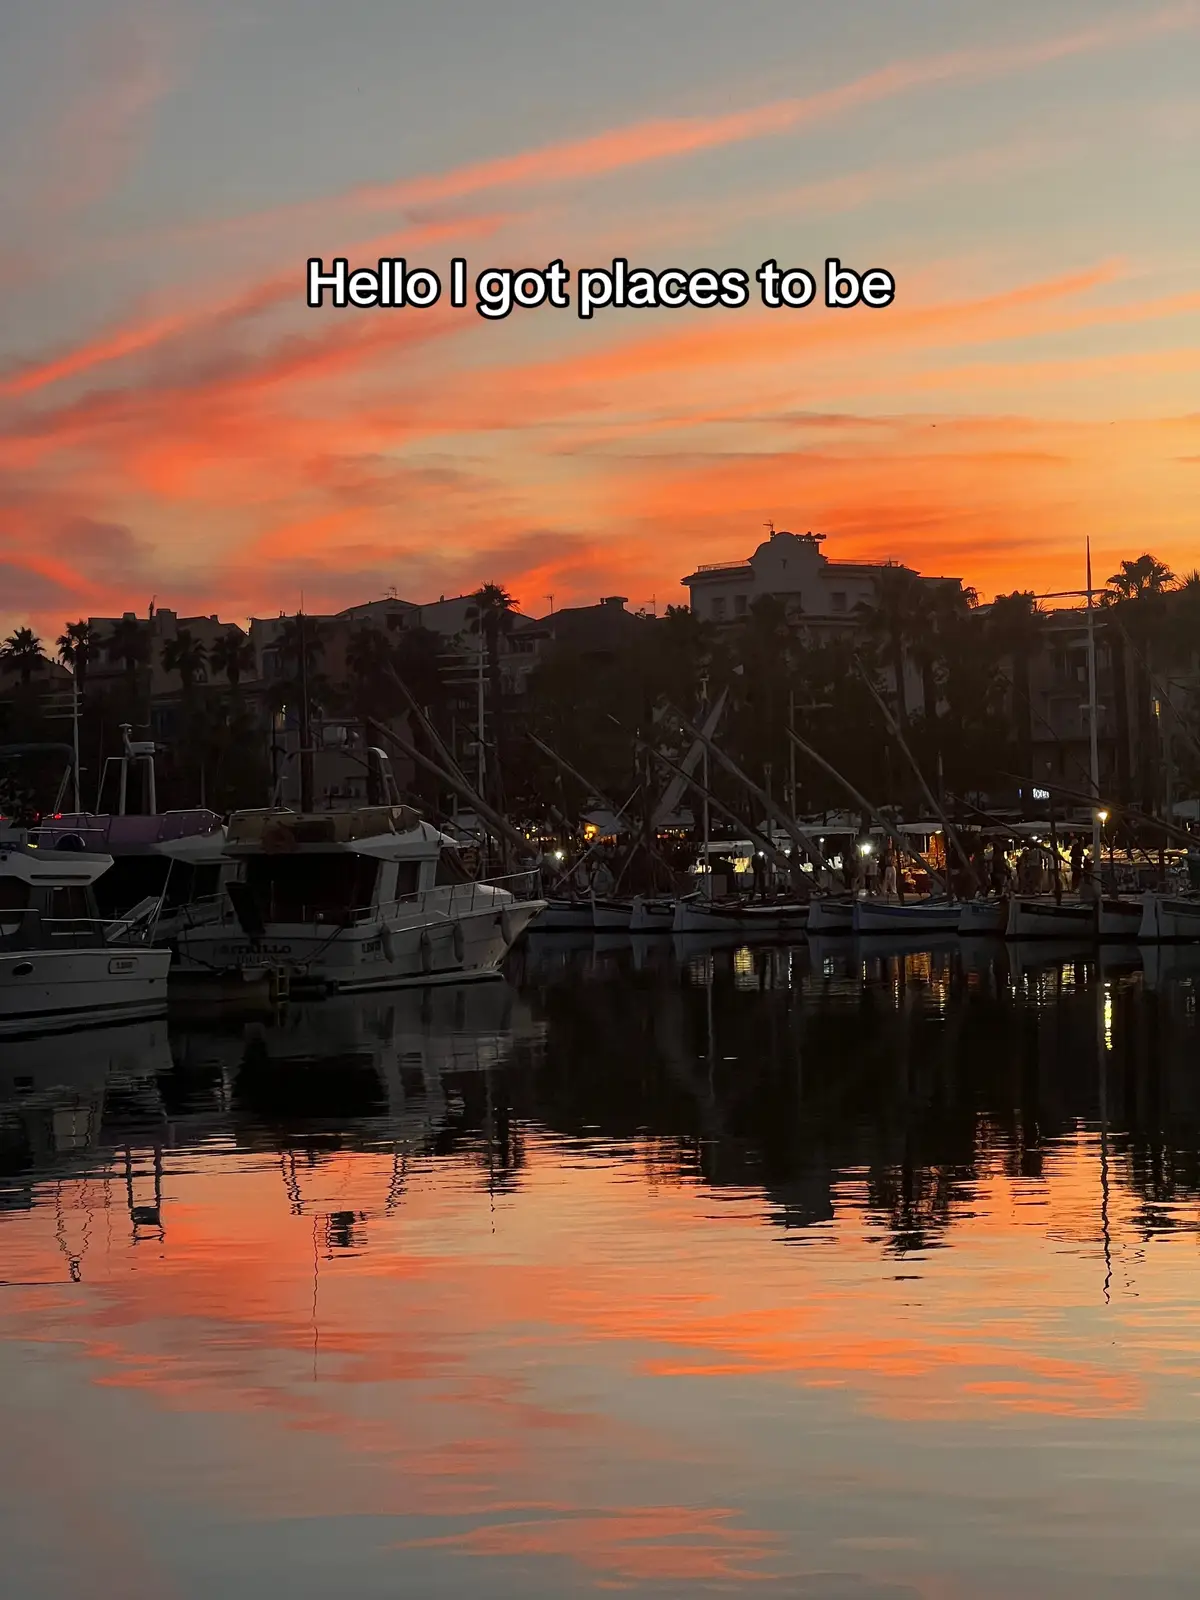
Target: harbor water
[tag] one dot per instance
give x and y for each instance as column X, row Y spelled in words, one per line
column 663, row 1268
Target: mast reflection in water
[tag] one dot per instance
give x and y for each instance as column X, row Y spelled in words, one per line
column 794, row 1272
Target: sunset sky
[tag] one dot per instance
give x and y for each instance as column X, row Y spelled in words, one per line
column 174, row 422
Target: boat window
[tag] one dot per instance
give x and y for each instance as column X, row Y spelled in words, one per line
column 14, row 894
column 300, row 888
column 408, row 878
column 70, row 904
column 451, row 867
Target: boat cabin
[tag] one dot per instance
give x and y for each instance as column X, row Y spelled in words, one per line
column 333, row 867
column 47, row 900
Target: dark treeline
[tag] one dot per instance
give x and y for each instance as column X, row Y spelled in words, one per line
column 967, row 683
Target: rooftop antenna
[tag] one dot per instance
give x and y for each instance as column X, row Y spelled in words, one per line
column 771, row 527
column 550, row 597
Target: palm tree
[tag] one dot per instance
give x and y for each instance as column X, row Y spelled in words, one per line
column 1135, row 595
column 129, row 643
column 945, row 607
column 233, row 654
column 77, row 645
column 1014, row 629
column 188, row 656
column 490, row 615
column 369, row 656
column 764, row 646
column 22, row 650
column 300, row 634
column 899, row 621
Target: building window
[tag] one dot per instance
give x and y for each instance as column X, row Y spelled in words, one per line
column 838, row 600
column 739, row 605
column 718, row 610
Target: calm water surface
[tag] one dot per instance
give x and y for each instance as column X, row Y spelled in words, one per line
column 812, row 1272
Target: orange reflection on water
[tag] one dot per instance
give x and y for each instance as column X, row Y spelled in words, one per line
column 506, row 1357
column 628, row 1544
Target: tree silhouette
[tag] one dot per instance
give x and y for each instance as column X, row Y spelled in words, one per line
column 1014, row 629
column 187, row 656
column 78, row 645
column 490, row 615
column 233, row 655
column 22, row 650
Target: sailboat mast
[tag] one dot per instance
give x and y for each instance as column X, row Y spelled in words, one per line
column 1093, row 718
column 707, row 823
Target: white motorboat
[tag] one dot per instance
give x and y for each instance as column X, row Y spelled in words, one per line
column 909, row 916
column 61, row 964
column 982, row 919
column 830, row 914
column 1044, row 917
column 1169, row 917
column 695, row 915
column 361, row 899
column 652, row 915
column 165, row 854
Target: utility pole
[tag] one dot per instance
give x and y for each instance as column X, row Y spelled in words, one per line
column 306, row 755
column 481, row 750
column 1093, row 717
column 792, row 806
column 707, row 820
column 75, row 735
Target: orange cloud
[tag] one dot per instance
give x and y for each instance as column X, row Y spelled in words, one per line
column 665, row 138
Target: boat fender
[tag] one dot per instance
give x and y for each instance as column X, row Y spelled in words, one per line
column 460, row 943
column 387, row 942
column 426, row 950
column 506, row 927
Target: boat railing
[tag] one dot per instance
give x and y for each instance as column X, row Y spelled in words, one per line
column 453, row 899
column 35, row 931
column 444, row 900
column 129, row 828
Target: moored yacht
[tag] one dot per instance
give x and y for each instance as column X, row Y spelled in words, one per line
column 360, row 899
column 61, row 964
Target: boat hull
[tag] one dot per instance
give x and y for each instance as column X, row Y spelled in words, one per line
column 45, row 991
column 918, row 916
column 830, row 915
column 1036, row 918
column 566, row 916
column 697, row 916
column 1120, row 919
column 652, row 916
column 611, row 916
column 1168, row 918
column 983, row 919
column 390, row 953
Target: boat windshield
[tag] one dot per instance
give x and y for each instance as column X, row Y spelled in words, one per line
column 451, row 867
column 14, row 899
column 302, row 888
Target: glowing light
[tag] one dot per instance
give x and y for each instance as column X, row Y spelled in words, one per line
column 559, row 855
column 1102, row 816
column 866, row 848
column 1108, row 1017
